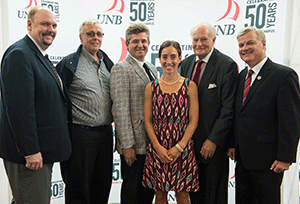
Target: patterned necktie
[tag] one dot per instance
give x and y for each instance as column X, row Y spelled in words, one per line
column 54, row 70
column 148, row 72
column 196, row 77
column 247, row 85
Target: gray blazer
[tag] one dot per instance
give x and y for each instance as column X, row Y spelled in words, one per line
column 127, row 88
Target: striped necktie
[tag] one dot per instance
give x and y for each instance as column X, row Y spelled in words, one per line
column 54, row 70
column 247, row 85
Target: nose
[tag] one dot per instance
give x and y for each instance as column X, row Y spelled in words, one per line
column 199, row 43
column 140, row 44
column 52, row 28
column 168, row 60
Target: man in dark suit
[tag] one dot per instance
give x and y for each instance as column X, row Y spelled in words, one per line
column 215, row 74
column 267, row 122
column 33, row 123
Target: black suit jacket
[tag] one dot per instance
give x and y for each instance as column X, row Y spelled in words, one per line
column 267, row 127
column 216, row 93
column 33, row 107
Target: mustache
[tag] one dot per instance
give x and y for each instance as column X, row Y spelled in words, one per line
column 46, row 34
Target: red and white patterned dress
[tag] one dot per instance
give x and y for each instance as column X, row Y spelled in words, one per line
column 170, row 119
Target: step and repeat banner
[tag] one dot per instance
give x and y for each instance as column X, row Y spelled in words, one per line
column 166, row 19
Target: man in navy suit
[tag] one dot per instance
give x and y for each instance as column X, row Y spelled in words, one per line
column 33, row 122
column 267, row 122
column 216, row 78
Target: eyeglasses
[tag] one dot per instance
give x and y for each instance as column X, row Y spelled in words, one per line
column 92, row 34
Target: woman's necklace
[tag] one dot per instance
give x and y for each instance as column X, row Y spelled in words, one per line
column 171, row 82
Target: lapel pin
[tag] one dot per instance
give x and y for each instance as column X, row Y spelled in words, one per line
column 259, row 78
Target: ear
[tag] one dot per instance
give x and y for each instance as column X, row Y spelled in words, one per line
column 81, row 38
column 264, row 44
column 214, row 40
column 29, row 25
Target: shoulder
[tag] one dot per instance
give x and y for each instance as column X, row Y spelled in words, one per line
column 188, row 60
column 220, row 56
column 123, row 65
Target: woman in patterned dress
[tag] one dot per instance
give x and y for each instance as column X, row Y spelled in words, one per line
column 171, row 117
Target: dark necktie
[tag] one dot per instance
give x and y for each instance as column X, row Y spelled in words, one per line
column 54, row 70
column 148, row 72
column 196, row 77
column 247, row 85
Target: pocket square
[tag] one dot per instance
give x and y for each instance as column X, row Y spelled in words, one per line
column 211, row 86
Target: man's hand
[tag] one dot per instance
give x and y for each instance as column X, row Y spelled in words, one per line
column 279, row 166
column 208, row 149
column 129, row 155
column 34, row 162
column 231, row 153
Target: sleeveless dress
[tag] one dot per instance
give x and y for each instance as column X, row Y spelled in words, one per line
column 170, row 119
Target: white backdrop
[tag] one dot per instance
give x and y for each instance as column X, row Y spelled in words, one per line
column 167, row 19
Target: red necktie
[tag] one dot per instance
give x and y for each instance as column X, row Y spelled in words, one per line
column 196, row 77
column 247, row 85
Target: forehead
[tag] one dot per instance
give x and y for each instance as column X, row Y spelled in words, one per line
column 248, row 36
column 169, row 50
column 44, row 15
column 202, row 32
column 139, row 36
column 90, row 27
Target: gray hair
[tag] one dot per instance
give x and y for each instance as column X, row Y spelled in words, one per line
column 207, row 25
column 136, row 29
column 89, row 22
column 261, row 35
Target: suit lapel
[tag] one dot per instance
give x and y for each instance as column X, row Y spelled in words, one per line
column 152, row 70
column 262, row 75
column 240, row 88
column 137, row 69
column 44, row 61
column 191, row 68
column 209, row 69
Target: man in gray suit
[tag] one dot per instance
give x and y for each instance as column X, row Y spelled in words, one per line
column 127, row 86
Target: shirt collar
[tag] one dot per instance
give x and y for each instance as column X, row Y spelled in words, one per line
column 258, row 67
column 138, row 61
column 206, row 58
column 89, row 56
column 38, row 46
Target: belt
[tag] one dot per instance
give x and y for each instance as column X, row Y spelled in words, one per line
column 98, row 128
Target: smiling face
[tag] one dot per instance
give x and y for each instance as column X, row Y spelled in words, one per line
column 91, row 44
column 138, row 45
column 252, row 50
column 42, row 27
column 203, row 42
column 169, row 59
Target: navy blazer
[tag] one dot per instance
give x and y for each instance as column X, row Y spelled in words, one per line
column 267, row 127
column 33, row 111
column 216, row 95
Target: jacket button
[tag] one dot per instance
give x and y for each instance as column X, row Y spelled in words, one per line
column 67, row 122
column 71, row 62
column 65, row 104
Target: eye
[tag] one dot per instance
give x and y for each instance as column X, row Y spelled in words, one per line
column 90, row 34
